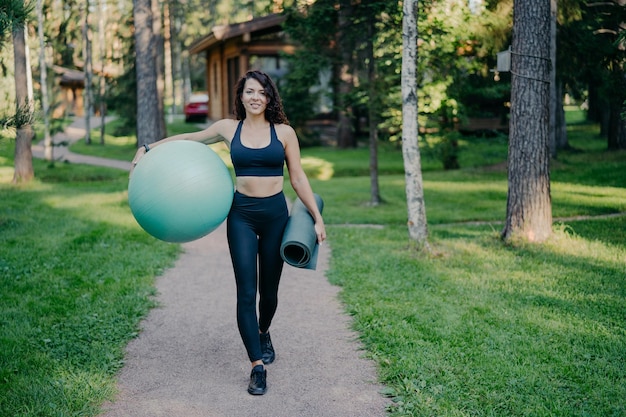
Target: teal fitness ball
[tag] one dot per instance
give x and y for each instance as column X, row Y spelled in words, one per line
column 180, row 191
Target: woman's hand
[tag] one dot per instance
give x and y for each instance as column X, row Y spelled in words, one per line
column 138, row 155
column 320, row 231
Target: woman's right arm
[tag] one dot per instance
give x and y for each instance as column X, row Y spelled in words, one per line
column 216, row 132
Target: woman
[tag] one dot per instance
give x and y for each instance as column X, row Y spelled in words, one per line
column 260, row 142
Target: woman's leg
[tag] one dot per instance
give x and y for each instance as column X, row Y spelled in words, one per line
column 270, row 270
column 243, row 244
column 255, row 229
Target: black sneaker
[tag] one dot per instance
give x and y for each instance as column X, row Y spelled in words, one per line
column 258, row 381
column 267, row 350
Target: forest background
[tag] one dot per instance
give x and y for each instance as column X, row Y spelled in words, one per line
column 366, row 56
column 459, row 43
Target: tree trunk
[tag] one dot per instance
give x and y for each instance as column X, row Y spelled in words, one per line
column 88, row 70
column 103, row 60
column 529, row 210
column 168, row 90
column 615, row 119
column 43, row 79
column 416, row 208
column 621, row 135
column 186, row 75
column 345, row 131
column 148, row 123
column 594, row 106
column 372, row 116
column 23, row 163
column 562, row 141
column 553, row 86
column 176, row 59
column 605, row 118
column 158, row 53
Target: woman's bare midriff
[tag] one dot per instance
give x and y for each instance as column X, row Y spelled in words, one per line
column 259, row 186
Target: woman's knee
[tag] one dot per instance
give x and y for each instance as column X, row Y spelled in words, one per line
column 246, row 295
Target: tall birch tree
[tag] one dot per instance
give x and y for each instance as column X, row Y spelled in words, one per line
column 375, row 198
column 159, row 64
column 102, row 9
column 43, row 77
column 418, row 230
column 88, row 71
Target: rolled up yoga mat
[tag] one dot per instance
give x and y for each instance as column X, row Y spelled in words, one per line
column 299, row 246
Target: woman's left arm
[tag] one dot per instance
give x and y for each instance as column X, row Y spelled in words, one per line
column 299, row 180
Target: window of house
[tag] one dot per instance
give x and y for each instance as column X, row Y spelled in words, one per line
column 272, row 65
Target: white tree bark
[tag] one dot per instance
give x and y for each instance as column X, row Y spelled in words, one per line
column 43, row 79
column 88, row 70
column 102, row 80
column 418, row 230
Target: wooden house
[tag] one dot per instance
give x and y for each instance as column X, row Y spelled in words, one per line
column 231, row 50
column 69, row 101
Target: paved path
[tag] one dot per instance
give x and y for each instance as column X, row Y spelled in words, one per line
column 189, row 361
column 72, row 133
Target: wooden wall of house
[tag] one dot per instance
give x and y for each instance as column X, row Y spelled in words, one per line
column 214, row 84
column 225, row 64
column 70, row 102
column 214, row 81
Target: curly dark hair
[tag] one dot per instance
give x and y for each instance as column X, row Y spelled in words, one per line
column 274, row 112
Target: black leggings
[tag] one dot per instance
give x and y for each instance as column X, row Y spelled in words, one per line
column 255, row 228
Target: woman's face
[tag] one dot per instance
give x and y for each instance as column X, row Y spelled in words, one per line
column 254, row 98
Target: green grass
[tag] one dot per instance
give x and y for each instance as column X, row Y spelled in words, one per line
column 120, row 146
column 473, row 328
column 482, row 329
column 77, row 274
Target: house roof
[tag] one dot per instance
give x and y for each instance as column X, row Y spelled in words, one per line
column 70, row 77
column 222, row 33
column 76, row 77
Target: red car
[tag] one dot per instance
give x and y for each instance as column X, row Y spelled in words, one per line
column 197, row 109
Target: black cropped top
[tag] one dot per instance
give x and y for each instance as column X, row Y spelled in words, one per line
column 261, row 162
